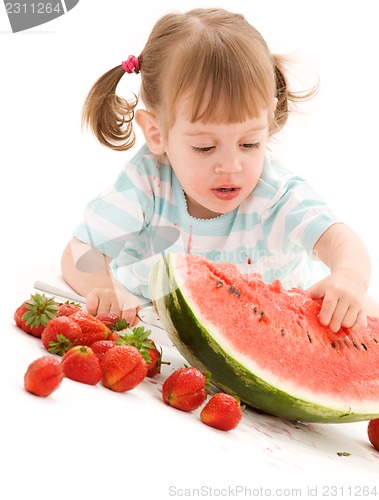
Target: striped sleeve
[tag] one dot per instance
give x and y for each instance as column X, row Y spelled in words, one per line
column 296, row 217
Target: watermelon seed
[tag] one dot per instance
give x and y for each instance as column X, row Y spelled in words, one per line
column 364, row 347
column 282, row 332
column 219, row 283
column 333, row 345
column 309, row 338
column 346, row 344
column 375, row 340
column 354, row 344
column 261, row 317
column 233, row 289
column 255, row 310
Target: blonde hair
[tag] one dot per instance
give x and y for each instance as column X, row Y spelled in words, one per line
column 213, row 57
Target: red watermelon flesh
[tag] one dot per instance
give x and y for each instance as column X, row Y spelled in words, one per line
column 283, row 328
column 274, row 333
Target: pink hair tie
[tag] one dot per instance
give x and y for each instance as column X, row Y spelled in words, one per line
column 131, row 65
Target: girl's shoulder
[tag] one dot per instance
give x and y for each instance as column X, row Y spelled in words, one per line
column 276, row 179
column 145, row 162
column 146, row 175
column 277, row 174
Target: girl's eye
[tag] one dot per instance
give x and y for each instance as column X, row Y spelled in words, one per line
column 207, row 149
column 202, row 150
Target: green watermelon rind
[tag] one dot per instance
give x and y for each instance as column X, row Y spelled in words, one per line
column 227, row 373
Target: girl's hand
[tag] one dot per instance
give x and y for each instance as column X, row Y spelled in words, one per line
column 107, row 300
column 343, row 301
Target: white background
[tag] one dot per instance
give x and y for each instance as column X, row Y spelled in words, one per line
column 50, row 169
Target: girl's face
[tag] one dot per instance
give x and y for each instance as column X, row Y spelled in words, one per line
column 217, row 165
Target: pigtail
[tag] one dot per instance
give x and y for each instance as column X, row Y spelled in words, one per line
column 108, row 115
column 282, row 94
column 285, row 96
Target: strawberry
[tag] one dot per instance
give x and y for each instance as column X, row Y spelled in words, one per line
column 60, row 335
column 123, row 368
column 92, row 328
column 113, row 321
column 82, row 365
column 222, row 411
column 68, row 308
column 373, row 433
column 185, row 389
column 155, row 363
column 34, row 314
column 43, row 376
column 137, row 337
column 114, row 335
column 100, row 347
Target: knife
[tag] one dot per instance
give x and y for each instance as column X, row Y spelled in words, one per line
column 59, row 292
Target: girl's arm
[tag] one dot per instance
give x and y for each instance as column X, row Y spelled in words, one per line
column 86, row 270
column 344, row 290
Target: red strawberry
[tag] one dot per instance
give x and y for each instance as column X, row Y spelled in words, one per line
column 373, row 433
column 19, row 314
column 114, row 336
column 68, row 308
column 155, row 363
column 222, row 412
column 43, row 376
column 123, row 368
column 155, row 360
column 100, row 347
column 92, row 328
column 60, row 335
column 113, row 321
column 34, row 314
column 137, row 337
column 185, row 389
column 82, row 365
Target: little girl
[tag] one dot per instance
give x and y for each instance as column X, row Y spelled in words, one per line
column 204, row 182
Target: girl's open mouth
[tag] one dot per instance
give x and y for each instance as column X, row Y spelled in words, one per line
column 226, row 193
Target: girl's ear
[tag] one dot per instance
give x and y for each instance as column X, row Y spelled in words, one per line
column 151, row 130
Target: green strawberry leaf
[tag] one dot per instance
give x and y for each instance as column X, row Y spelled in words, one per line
column 120, row 325
column 126, row 332
column 61, row 345
column 40, row 310
column 140, row 333
column 145, row 354
column 148, row 344
column 137, row 337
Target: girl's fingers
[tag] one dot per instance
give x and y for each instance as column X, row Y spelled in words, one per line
column 338, row 317
column 328, row 309
column 360, row 323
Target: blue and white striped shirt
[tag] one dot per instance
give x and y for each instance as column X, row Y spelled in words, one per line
column 144, row 213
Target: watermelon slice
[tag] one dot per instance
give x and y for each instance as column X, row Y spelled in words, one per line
column 265, row 344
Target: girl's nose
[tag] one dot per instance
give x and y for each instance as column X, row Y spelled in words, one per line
column 228, row 164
